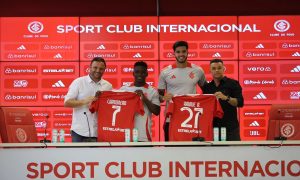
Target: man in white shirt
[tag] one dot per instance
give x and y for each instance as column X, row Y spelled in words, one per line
column 150, row 98
column 179, row 78
column 81, row 93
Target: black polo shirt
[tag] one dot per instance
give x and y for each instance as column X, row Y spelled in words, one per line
column 232, row 88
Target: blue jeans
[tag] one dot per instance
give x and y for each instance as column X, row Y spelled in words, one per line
column 78, row 138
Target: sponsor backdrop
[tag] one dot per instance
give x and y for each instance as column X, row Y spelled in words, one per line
column 41, row 56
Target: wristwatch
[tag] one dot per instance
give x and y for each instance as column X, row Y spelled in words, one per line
column 228, row 99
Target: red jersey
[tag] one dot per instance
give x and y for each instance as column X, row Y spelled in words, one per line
column 192, row 116
column 116, row 111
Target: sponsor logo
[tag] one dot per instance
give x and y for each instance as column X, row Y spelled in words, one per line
column 62, row 70
column 173, row 77
column 260, row 95
column 216, row 55
column 53, row 97
column 22, row 47
column 60, row 114
column 260, row 54
column 58, row 84
column 57, row 47
column 137, row 46
column 21, row 135
column 22, row 56
column 126, row 69
column 40, row 124
column 295, row 95
column 20, row 83
column 12, row 70
column 37, row 114
column 35, row 27
column 254, row 114
column 281, row 25
column 264, row 82
column 259, row 46
column 62, row 124
column 296, row 54
column 287, row 130
column 192, row 75
column 20, row 96
column 254, row 124
column 137, row 55
column 57, row 56
column 259, row 69
column 103, row 55
column 292, row 81
column 126, row 83
column 216, row 45
column 290, row 45
column 101, row 47
column 295, row 69
column 255, row 133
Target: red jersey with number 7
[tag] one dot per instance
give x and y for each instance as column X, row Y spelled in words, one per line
column 192, row 116
column 116, row 111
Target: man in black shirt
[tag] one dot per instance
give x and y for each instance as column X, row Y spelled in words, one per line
column 229, row 93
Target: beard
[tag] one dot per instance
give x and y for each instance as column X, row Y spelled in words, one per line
column 180, row 60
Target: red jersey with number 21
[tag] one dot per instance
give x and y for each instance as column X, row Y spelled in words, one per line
column 116, row 111
column 192, row 116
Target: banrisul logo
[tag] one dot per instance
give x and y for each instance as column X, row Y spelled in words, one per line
column 35, row 27
column 281, row 25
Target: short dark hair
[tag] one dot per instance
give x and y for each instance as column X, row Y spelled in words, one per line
column 180, row 43
column 216, row 61
column 99, row 59
column 141, row 63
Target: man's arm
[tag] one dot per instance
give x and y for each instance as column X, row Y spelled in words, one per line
column 77, row 103
column 153, row 108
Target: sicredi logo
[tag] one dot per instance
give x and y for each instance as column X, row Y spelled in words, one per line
column 35, row 27
column 281, row 25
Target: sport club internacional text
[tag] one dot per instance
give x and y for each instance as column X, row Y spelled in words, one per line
column 163, row 28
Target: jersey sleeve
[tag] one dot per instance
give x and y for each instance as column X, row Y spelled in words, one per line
column 94, row 106
column 170, row 109
column 162, row 81
column 139, row 106
column 218, row 110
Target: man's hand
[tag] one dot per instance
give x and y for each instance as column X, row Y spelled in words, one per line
column 168, row 96
column 220, row 95
column 140, row 93
column 98, row 93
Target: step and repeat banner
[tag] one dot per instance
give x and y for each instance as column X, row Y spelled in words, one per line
column 41, row 56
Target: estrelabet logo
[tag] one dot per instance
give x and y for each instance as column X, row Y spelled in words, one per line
column 281, row 25
column 35, row 27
